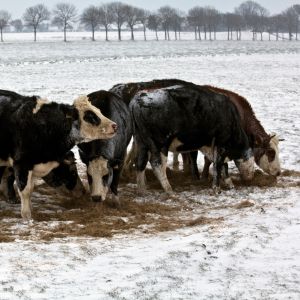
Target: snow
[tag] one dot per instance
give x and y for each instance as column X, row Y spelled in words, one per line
column 253, row 253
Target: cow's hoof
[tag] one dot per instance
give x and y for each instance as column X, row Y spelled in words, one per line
column 116, row 201
column 217, row 189
column 14, row 200
column 144, row 193
column 228, row 183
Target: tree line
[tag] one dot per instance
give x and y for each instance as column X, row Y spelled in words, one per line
column 206, row 19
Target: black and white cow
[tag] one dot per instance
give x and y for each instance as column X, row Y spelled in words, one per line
column 105, row 158
column 64, row 180
column 36, row 134
column 181, row 119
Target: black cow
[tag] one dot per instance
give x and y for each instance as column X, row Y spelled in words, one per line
column 36, row 134
column 182, row 119
column 64, row 180
column 105, row 158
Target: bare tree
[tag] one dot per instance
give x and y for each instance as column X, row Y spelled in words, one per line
column 175, row 23
column 35, row 15
column 181, row 17
column 144, row 17
column 154, row 23
column 64, row 15
column 262, row 20
column 106, row 17
column 133, row 15
column 213, row 20
column 238, row 23
column 277, row 24
column 297, row 10
column 197, row 18
column 228, row 21
column 5, row 17
column 18, row 24
column 248, row 10
column 290, row 18
column 119, row 12
column 91, row 17
column 166, row 13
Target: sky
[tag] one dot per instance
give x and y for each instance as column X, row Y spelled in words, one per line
column 18, row 7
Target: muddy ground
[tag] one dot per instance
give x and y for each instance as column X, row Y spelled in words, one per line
column 61, row 217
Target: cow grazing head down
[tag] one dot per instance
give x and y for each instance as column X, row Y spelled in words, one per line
column 266, row 152
column 100, row 174
column 246, row 165
column 65, row 179
column 93, row 125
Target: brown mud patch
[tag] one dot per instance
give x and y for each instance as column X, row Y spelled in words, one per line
column 142, row 215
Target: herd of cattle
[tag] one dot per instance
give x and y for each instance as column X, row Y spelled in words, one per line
column 162, row 115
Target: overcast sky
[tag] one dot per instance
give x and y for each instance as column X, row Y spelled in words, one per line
column 17, row 7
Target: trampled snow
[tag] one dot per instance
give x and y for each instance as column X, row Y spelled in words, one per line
column 253, row 254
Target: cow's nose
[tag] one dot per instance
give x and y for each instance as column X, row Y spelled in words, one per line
column 278, row 173
column 114, row 127
column 97, row 198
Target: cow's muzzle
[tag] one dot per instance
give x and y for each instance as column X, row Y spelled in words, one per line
column 97, row 198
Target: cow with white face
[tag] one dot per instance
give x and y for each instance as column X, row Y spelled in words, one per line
column 105, row 158
column 36, row 134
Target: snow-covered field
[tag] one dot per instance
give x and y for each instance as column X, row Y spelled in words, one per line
column 237, row 252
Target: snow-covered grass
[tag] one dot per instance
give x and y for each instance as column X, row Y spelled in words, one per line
column 243, row 252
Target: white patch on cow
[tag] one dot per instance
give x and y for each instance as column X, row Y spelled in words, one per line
column 97, row 169
column 208, row 151
column 40, row 103
column 6, row 163
column 246, row 168
column 272, row 167
column 161, row 175
column 25, row 196
column 88, row 131
column 174, row 145
column 41, row 170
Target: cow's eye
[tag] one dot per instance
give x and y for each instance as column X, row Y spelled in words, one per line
column 91, row 118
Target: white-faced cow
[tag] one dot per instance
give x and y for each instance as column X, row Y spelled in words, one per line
column 36, row 134
column 64, row 180
column 105, row 158
column 182, row 119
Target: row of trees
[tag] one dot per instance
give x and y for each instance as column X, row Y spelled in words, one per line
column 248, row 15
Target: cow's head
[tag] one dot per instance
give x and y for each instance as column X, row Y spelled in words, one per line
column 91, row 124
column 100, row 174
column 266, row 153
column 246, row 165
column 65, row 179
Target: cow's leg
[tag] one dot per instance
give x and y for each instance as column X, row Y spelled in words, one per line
column 207, row 164
column 217, row 170
column 25, row 183
column 193, row 157
column 226, row 178
column 186, row 162
column 141, row 161
column 158, row 162
column 114, row 186
column 2, row 170
column 7, row 185
column 175, row 162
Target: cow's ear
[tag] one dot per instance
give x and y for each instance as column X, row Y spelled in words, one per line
column 116, row 163
column 258, row 141
column 69, row 112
